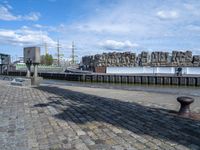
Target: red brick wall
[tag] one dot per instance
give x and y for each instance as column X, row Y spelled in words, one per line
column 100, row 69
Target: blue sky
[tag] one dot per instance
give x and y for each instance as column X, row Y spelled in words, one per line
column 99, row 26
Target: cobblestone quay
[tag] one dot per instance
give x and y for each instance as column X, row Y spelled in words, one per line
column 59, row 117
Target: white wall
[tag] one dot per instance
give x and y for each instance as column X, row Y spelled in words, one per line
column 193, row 70
column 152, row 70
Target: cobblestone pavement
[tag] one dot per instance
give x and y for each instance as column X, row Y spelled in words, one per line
column 68, row 117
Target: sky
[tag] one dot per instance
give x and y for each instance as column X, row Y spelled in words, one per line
column 98, row 26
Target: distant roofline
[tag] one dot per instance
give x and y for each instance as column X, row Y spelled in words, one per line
column 4, row 54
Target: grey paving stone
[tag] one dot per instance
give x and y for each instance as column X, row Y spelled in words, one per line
column 72, row 117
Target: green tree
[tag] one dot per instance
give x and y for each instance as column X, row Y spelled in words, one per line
column 47, row 59
column 42, row 60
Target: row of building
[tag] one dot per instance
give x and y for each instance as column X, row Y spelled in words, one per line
column 128, row 59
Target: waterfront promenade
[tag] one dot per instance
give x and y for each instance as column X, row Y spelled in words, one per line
column 71, row 115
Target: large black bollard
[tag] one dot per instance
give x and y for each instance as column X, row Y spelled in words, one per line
column 185, row 105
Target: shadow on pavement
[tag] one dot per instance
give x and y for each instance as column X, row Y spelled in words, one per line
column 81, row 108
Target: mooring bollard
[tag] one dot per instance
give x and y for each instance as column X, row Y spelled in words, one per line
column 185, row 105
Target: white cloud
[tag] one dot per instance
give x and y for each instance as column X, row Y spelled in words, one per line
column 25, row 37
column 38, row 26
column 49, row 28
column 6, row 15
column 192, row 9
column 193, row 28
column 117, row 45
column 33, row 16
column 122, row 21
column 106, row 27
column 189, row 6
column 153, row 25
column 167, row 14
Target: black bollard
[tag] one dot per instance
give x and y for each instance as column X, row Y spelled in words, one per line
column 185, row 105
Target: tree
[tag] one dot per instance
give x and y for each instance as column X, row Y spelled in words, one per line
column 47, row 59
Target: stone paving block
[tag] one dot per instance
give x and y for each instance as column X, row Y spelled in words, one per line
column 56, row 117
